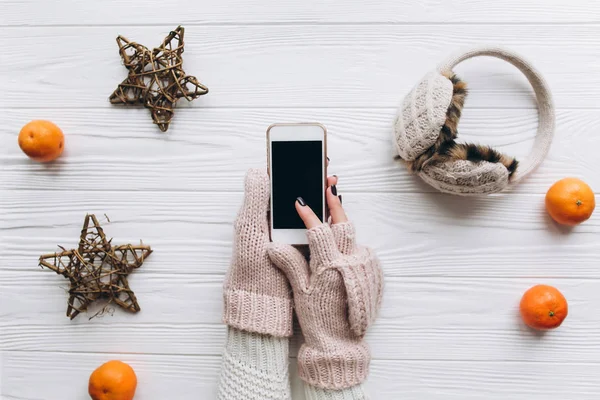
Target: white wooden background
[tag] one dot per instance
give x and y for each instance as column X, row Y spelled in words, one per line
column 455, row 268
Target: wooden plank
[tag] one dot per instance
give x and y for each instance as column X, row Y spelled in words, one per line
column 64, row 375
column 302, row 66
column 414, row 234
column 122, row 150
column 113, row 12
column 421, row 319
column 491, row 253
column 438, row 380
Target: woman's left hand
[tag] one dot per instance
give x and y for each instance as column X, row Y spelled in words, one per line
column 256, row 293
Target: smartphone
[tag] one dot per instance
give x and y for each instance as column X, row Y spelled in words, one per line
column 297, row 160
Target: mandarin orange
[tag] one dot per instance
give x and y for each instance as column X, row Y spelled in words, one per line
column 42, row 141
column 543, row 307
column 113, row 380
column 570, row 201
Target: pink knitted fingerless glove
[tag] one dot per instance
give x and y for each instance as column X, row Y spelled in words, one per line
column 256, row 293
column 337, row 297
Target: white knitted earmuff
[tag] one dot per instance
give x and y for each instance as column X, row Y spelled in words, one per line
column 426, row 128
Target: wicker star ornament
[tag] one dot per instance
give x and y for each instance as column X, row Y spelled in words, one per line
column 156, row 78
column 97, row 269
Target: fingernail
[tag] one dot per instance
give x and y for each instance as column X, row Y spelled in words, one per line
column 340, row 197
column 334, row 190
column 301, row 201
column 334, row 175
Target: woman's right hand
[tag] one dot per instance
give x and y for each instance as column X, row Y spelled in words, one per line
column 336, row 296
column 334, row 204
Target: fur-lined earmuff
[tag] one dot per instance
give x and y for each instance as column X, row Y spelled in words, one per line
column 446, row 148
column 426, row 130
column 476, row 152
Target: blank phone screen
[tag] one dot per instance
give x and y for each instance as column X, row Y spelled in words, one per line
column 296, row 171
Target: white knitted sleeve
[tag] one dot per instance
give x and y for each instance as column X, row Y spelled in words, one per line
column 254, row 367
column 353, row 393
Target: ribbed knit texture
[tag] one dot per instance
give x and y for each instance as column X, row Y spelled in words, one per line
column 352, row 393
column 423, row 113
column 256, row 293
column 255, row 367
column 337, row 297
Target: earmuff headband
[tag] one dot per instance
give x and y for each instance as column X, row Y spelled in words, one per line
column 545, row 132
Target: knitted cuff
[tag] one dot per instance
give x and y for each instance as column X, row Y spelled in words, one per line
column 254, row 367
column 345, row 367
column 258, row 313
column 352, row 393
column 260, row 352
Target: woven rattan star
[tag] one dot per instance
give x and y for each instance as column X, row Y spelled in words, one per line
column 156, row 78
column 97, row 269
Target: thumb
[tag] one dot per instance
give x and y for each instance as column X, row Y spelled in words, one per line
column 256, row 199
column 292, row 263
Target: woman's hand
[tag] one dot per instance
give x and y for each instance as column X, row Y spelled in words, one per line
column 336, row 296
column 334, row 203
column 256, row 293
